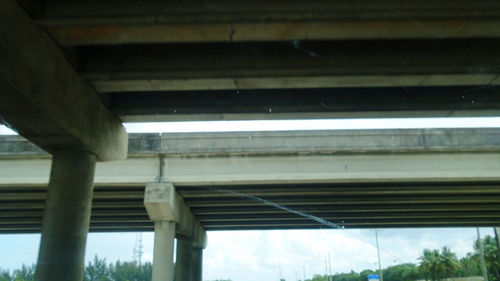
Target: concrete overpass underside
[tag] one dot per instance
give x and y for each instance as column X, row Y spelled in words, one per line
column 72, row 71
column 404, row 178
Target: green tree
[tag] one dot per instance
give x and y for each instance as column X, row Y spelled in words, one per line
column 401, row 272
column 25, row 273
column 4, row 275
column 363, row 275
column 351, row 276
column 436, row 265
column 131, row 271
column 317, row 277
column 470, row 265
column 490, row 256
column 97, row 270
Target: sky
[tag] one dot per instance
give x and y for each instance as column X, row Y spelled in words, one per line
column 262, row 255
column 269, row 255
column 313, row 124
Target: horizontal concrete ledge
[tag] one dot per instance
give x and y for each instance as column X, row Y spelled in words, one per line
column 134, row 118
column 291, row 142
column 291, row 82
column 119, row 22
column 272, row 169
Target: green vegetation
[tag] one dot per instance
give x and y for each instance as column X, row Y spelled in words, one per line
column 97, row 270
column 434, row 266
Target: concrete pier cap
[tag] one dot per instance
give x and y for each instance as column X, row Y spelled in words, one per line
column 164, row 204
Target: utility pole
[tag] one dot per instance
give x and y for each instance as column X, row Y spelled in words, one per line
column 481, row 251
column 330, row 266
column 378, row 253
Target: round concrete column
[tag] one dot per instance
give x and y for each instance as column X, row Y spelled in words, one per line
column 66, row 217
column 184, row 259
column 163, row 256
column 197, row 265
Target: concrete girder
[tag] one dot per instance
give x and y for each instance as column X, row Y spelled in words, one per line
column 289, row 65
column 378, row 141
column 122, row 22
column 44, row 99
column 259, row 169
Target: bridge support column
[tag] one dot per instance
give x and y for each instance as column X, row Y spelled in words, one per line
column 197, row 264
column 184, row 260
column 163, row 263
column 66, row 217
column 167, row 209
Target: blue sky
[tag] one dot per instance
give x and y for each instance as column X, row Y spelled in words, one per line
column 259, row 255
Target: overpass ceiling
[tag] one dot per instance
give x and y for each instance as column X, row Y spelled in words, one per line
column 220, row 60
column 121, row 208
column 156, row 60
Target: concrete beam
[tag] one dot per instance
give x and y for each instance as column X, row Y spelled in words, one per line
column 211, row 158
column 44, row 99
column 288, row 142
column 164, row 204
column 257, row 169
column 287, row 65
column 123, row 22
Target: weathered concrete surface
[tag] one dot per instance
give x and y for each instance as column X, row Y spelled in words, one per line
column 310, row 65
column 163, row 253
column 261, row 169
column 197, row 264
column 416, row 178
column 184, row 259
column 66, row 217
column 164, row 204
column 166, row 208
column 121, row 22
column 292, row 142
column 44, row 99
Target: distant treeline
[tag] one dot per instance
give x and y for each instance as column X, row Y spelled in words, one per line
column 434, row 265
column 97, row 270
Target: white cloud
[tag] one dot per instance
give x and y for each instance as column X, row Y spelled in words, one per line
column 259, row 255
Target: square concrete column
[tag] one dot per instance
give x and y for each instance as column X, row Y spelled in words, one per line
column 66, row 217
column 159, row 200
column 167, row 209
column 197, row 264
column 163, row 255
column 184, row 260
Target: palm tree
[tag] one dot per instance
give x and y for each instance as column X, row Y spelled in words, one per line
column 449, row 262
column 490, row 255
column 437, row 265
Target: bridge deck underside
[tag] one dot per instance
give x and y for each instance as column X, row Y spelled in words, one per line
column 120, row 208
